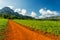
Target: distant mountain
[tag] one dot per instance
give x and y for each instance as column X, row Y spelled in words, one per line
column 7, row 9
column 6, row 12
column 53, row 17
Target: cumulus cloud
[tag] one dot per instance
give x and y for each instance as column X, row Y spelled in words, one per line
column 21, row 11
column 47, row 13
column 33, row 14
column 17, row 10
column 0, row 8
column 24, row 11
column 11, row 7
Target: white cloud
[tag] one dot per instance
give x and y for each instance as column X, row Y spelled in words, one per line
column 21, row 11
column 10, row 7
column 0, row 8
column 47, row 13
column 33, row 14
column 17, row 10
column 41, row 16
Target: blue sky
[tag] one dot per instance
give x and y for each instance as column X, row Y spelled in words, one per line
column 33, row 6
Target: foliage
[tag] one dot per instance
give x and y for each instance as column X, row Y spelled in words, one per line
column 3, row 26
column 49, row 26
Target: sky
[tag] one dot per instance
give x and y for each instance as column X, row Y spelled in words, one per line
column 34, row 8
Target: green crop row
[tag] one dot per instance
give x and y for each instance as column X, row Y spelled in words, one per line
column 3, row 26
column 52, row 27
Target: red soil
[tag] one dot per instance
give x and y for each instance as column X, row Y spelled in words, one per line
column 18, row 32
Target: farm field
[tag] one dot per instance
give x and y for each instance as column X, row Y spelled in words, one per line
column 52, row 27
column 19, row 32
column 3, row 25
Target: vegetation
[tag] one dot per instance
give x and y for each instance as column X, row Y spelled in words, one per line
column 49, row 26
column 3, row 25
column 8, row 13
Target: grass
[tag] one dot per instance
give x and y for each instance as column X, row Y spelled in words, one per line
column 52, row 27
column 3, row 25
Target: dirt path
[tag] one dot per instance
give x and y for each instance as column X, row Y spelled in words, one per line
column 18, row 32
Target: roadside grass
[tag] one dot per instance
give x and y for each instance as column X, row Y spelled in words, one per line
column 52, row 27
column 3, row 26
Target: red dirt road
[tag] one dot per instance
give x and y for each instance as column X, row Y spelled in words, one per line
column 18, row 32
